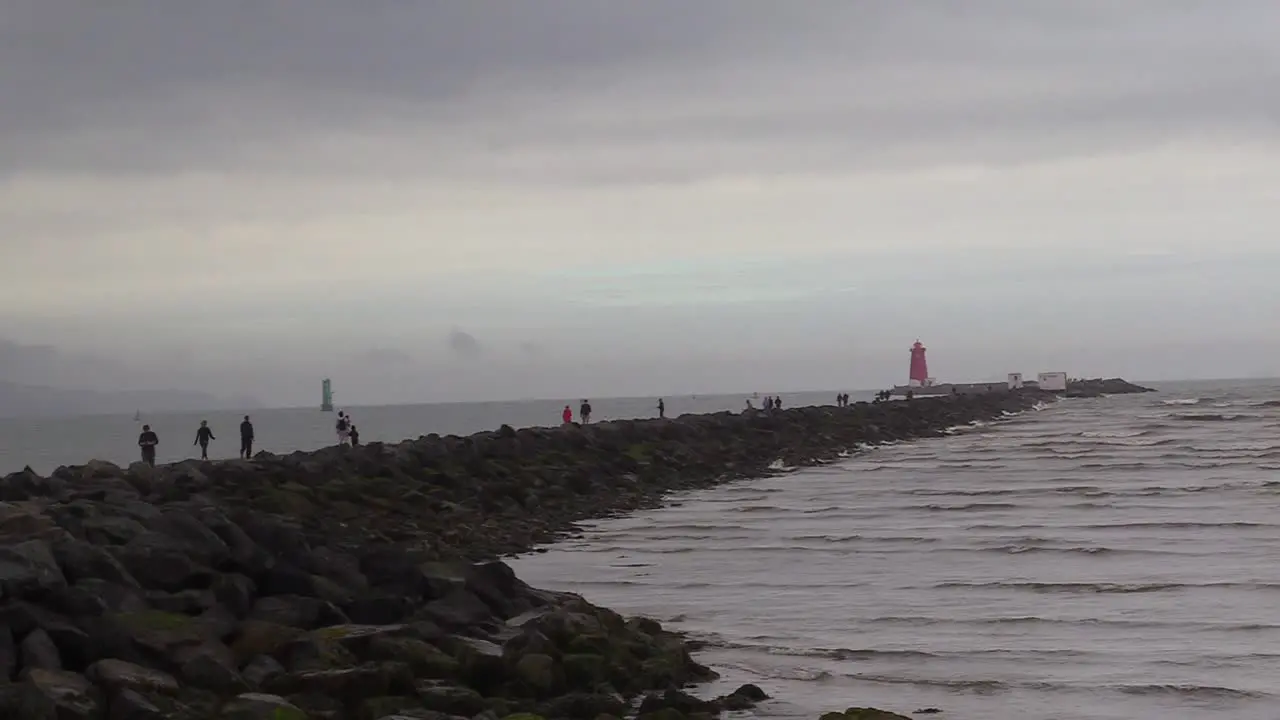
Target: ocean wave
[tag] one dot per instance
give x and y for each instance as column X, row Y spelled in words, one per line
column 1212, row 417
column 1182, row 401
column 1154, row 524
column 970, row 493
column 1188, row 691
column 1104, row 588
column 1181, row 626
column 969, row 507
column 1018, row 549
column 1107, row 434
column 1185, row 692
column 1115, row 466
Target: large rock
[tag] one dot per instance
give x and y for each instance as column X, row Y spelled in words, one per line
column 51, row 695
column 29, row 568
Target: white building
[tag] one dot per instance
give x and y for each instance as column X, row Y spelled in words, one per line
column 1052, row 381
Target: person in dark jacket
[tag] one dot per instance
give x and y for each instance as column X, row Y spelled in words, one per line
column 246, row 438
column 148, row 441
column 354, row 436
column 203, row 436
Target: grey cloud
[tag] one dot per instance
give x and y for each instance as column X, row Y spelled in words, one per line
column 149, row 85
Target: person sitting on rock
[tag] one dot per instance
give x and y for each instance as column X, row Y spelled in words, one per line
column 203, row 436
column 584, row 411
column 246, row 438
column 148, row 441
column 567, row 415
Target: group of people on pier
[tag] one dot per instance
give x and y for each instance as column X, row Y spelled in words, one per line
column 148, row 440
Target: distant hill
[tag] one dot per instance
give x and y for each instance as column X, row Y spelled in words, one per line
column 37, row 401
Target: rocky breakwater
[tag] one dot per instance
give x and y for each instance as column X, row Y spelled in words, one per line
column 123, row 598
column 1099, row 387
column 359, row 583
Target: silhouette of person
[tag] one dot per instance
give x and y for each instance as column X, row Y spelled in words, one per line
column 148, row 441
column 246, row 438
column 203, row 436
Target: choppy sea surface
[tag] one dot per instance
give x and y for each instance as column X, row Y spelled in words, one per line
column 1110, row 558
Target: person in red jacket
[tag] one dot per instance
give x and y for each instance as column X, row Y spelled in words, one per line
column 567, row 415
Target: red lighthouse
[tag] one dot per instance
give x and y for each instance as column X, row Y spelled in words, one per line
column 919, row 376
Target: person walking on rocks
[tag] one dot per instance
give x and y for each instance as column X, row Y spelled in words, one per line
column 148, row 441
column 203, row 436
column 584, row 411
column 662, row 408
column 246, row 438
column 567, row 415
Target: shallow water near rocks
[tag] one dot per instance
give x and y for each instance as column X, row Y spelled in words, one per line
column 1111, row 558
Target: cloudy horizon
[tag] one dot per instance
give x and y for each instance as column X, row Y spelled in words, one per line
column 440, row 201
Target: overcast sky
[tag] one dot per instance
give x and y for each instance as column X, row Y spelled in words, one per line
column 487, row 199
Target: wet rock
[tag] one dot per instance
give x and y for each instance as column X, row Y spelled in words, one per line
column 118, row 674
column 423, row 658
column 380, row 609
column 458, row 609
column 19, row 523
column 29, row 568
column 295, row 611
column 261, row 670
column 159, row 632
column 583, row 706
column 52, row 695
column 38, row 651
column 257, row 637
column 744, row 698
column 210, row 666
column 8, row 655
column 540, row 674
column 132, row 705
column 863, row 713
column 236, row 592
column 676, row 700
column 158, row 564
column 348, row 685
column 315, row 652
column 450, row 699
column 261, row 706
